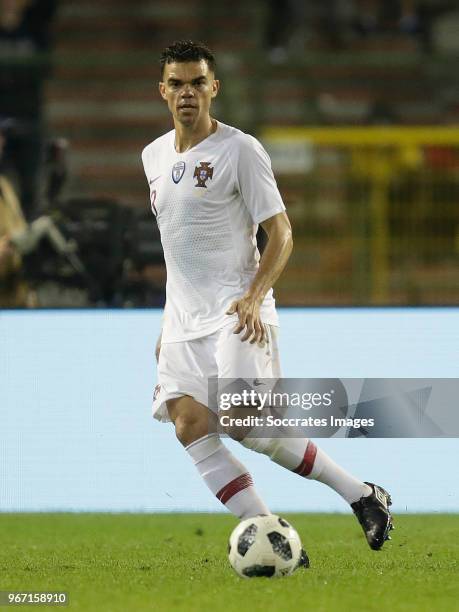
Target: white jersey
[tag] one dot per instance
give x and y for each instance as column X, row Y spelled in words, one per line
column 208, row 202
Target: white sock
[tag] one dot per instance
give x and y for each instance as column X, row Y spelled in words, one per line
column 330, row 473
column 226, row 477
column 303, row 457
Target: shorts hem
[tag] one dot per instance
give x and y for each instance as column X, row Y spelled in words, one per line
column 203, row 334
column 159, row 407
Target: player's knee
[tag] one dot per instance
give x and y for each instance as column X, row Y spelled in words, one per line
column 190, row 427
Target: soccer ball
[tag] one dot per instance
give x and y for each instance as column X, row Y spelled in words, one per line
column 264, row 546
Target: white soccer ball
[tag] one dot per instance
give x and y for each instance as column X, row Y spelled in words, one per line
column 264, row 546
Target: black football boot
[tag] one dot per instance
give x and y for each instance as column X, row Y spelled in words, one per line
column 374, row 516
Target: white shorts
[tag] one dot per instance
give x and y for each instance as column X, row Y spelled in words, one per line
column 185, row 367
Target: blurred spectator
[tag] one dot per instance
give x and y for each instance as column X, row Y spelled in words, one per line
column 284, row 20
column 412, row 17
column 20, row 239
column 374, row 15
column 14, row 292
column 292, row 23
column 24, row 65
column 430, row 13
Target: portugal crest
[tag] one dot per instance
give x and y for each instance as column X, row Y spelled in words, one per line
column 203, row 173
column 178, row 170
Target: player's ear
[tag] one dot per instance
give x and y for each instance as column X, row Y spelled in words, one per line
column 215, row 87
column 162, row 90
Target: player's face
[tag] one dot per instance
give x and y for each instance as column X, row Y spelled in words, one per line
column 188, row 88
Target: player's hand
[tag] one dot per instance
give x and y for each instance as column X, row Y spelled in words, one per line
column 248, row 312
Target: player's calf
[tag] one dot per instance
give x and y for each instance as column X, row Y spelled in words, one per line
column 303, row 457
column 226, row 477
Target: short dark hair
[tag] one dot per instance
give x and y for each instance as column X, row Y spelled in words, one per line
column 186, row 51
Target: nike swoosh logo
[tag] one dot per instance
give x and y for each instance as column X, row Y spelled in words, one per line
column 155, row 179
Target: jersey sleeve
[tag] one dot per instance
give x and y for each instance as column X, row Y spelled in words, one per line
column 256, row 181
column 144, row 162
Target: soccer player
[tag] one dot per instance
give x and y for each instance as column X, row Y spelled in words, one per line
column 210, row 187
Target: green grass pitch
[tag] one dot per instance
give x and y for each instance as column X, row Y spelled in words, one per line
column 135, row 562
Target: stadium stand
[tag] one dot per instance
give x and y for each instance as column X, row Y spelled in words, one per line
column 102, row 95
column 102, row 98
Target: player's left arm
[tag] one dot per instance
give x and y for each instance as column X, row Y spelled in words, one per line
column 275, row 256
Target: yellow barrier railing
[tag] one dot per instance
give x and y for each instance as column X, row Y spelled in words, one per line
column 388, row 197
column 358, row 136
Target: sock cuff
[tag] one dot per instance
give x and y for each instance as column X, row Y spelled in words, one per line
column 308, row 468
column 318, row 465
column 204, row 447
